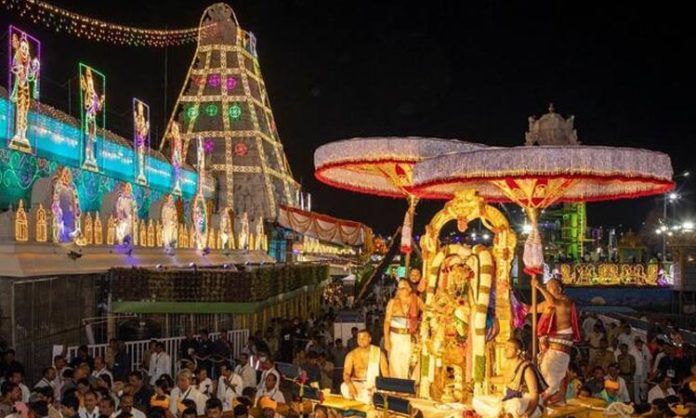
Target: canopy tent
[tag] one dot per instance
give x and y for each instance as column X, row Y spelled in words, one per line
column 325, row 228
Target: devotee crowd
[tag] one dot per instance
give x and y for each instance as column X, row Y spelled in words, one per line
column 207, row 380
column 654, row 370
column 610, row 363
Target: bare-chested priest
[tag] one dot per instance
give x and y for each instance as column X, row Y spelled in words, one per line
column 361, row 368
column 559, row 323
column 400, row 326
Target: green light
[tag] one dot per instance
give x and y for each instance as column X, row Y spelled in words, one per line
column 211, row 110
column 192, row 112
column 235, row 111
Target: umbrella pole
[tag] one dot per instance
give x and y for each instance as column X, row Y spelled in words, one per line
column 534, row 322
column 412, row 202
column 533, row 241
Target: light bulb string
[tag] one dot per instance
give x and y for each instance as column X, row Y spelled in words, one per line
column 60, row 19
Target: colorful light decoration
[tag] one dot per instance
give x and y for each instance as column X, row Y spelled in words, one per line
column 235, row 111
column 177, row 157
column 231, row 83
column 56, row 139
column 211, row 110
column 141, row 137
column 170, row 224
column 240, row 149
column 92, row 112
column 208, row 145
column 214, row 80
column 197, row 80
column 192, row 112
column 61, row 20
column 65, row 207
column 126, row 215
column 24, row 56
column 199, row 210
column 237, row 72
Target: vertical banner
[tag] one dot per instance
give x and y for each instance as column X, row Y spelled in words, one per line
column 199, row 210
column 141, row 139
column 23, row 81
column 92, row 113
column 177, row 157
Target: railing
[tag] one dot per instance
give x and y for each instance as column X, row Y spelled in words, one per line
column 136, row 349
column 612, row 274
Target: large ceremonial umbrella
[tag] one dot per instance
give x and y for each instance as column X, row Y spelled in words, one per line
column 535, row 177
column 382, row 166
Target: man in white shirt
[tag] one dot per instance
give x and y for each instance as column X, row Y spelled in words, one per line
column 246, row 371
column 662, row 389
column 90, row 408
column 626, row 337
column 48, row 379
column 643, row 358
column 230, row 386
column 185, row 390
column 100, row 369
column 61, row 365
column 205, row 384
column 126, row 405
column 268, row 368
column 160, row 363
column 271, row 389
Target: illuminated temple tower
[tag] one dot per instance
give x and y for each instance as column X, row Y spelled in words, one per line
column 553, row 129
column 224, row 100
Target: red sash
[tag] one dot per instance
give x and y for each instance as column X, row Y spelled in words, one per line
column 547, row 323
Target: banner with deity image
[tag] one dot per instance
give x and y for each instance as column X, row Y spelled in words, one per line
column 141, row 139
column 92, row 113
column 23, row 81
column 177, row 157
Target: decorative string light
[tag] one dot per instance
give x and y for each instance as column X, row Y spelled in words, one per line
column 61, row 20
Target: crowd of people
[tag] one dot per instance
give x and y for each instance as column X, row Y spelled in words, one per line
column 207, row 380
column 654, row 372
column 613, row 364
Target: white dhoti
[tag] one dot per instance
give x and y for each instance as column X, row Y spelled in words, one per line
column 554, row 364
column 364, row 394
column 365, row 388
column 489, row 406
column 401, row 349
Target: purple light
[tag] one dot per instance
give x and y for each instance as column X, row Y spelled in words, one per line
column 208, row 145
column 125, row 248
column 231, row 83
column 214, row 80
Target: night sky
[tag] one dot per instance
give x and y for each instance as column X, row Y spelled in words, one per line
column 467, row 70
